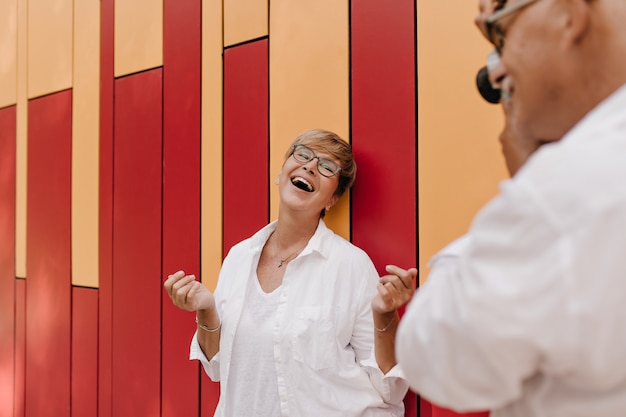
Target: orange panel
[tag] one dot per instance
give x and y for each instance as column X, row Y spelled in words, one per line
column 8, row 52
column 138, row 35
column 85, row 135
column 211, row 167
column 211, row 164
column 244, row 20
column 309, row 82
column 22, row 142
column 50, row 28
column 457, row 130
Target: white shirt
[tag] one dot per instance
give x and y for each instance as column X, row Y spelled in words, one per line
column 528, row 316
column 253, row 388
column 324, row 332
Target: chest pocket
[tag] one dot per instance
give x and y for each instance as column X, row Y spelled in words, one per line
column 314, row 339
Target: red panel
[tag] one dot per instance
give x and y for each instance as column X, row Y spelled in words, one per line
column 20, row 348
column 105, row 232
column 48, row 265
column 181, row 196
column 210, row 393
column 7, row 258
column 84, row 352
column 136, row 351
column 384, row 198
column 246, row 141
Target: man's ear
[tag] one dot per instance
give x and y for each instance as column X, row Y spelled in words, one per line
column 578, row 16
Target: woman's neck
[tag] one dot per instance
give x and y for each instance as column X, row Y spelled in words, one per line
column 293, row 231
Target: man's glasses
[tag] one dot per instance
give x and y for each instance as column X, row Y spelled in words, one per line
column 494, row 31
column 304, row 155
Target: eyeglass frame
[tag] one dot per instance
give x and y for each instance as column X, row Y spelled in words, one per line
column 495, row 34
column 319, row 160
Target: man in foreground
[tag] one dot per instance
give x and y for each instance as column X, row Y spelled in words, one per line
column 528, row 320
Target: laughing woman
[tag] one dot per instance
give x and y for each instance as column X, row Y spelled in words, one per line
column 300, row 323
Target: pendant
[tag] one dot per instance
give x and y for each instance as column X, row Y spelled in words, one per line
column 282, row 261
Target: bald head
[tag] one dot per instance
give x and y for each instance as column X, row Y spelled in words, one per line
column 561, row 58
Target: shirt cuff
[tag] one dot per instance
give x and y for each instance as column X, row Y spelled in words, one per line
column 391, row 386
column 211, row 367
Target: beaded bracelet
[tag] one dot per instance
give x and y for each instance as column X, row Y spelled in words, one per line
column 206, row 329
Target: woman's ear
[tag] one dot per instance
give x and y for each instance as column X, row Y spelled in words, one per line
column 276, row 181
column 332, row 202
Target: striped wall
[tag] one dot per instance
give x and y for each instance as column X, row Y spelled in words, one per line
column 140, row 137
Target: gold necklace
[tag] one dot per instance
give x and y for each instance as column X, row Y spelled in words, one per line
column 283, row 260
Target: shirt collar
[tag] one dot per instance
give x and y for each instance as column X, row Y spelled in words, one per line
column 320, row 242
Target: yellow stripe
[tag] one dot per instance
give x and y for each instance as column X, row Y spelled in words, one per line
column 85, row 143
column 22, row 141
column 212, row 172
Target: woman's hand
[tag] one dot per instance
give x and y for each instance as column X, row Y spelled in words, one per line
column 394, row 290
column 187, row 293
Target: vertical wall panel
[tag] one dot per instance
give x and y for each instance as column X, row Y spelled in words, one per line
column 20, row 348
column 138, row 35
column 7, row 259
column 22, row 141
column 460, row 162
column 49, row 46
column 244, row 20
column 181, row 197
column 105, row 232
column 384, row 135
column 85, row 134
column 137, row 285
column 211, row 166
column 48, row 261
column 8, row 52
column 309, row 82
column 384, row 131
column 84, row 401
column 245, row 141
column 211, row 175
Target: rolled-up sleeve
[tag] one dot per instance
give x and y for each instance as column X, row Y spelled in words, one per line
column 211, row 367
column 391, row 386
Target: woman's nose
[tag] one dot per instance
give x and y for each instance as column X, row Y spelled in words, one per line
column 311, row 164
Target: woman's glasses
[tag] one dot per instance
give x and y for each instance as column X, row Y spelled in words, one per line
column 304, row 155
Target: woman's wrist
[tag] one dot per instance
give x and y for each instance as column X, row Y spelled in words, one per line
column 208, row 319
column 383, row 321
